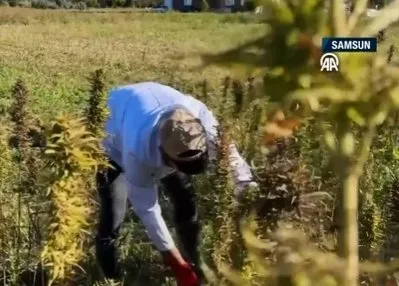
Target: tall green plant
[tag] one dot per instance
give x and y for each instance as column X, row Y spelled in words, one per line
column 19, row 117
column 19, row 114
column 25, row 187
column 96, row 114
column 25, row 134
column 96, row 111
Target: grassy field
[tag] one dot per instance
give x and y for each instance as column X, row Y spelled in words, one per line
column 54, row 52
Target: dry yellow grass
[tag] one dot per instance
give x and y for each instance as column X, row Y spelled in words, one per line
column 54, row 51
column 56, row 45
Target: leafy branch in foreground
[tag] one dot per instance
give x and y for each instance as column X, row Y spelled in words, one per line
column 72, row 155
column 357, row 98
column 297, row 261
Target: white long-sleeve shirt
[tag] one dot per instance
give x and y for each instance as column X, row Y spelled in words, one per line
column 132, row 142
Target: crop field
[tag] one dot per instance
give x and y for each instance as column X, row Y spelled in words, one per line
column 48, row 64
column 54, row 50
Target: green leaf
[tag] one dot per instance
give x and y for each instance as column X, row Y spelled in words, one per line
column 305, row 80
column 379, row 118
column 359, row 9
column 385, row 18
column 355, row 116
column 338, row 18
column 348, row 144
column 395, row 153
column 330, row 140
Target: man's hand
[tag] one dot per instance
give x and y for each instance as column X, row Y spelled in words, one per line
column 184, row 273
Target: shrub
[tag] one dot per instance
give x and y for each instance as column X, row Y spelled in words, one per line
column 24, row 4
column 249, row 6
column 204, row 5
column 91, row 3
column 44, row 4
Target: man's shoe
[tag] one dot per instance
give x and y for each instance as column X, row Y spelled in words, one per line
column 106, row 254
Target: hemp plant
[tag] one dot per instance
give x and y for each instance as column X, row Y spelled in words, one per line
column 73, row 158
column 96, row 111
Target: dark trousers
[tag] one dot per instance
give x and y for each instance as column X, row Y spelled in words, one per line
column 113, row 204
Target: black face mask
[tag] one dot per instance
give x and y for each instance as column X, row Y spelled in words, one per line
column 194, row 167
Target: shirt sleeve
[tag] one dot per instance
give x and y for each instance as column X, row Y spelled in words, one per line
column 240, row 169
column 143, row 196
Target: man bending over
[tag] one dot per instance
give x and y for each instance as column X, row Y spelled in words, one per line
column 158, row 136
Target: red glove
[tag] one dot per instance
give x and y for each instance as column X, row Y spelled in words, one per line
column 184, row 273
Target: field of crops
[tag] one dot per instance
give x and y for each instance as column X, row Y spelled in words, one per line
column 54, row 50
column 48, row 61
column 54, row 53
